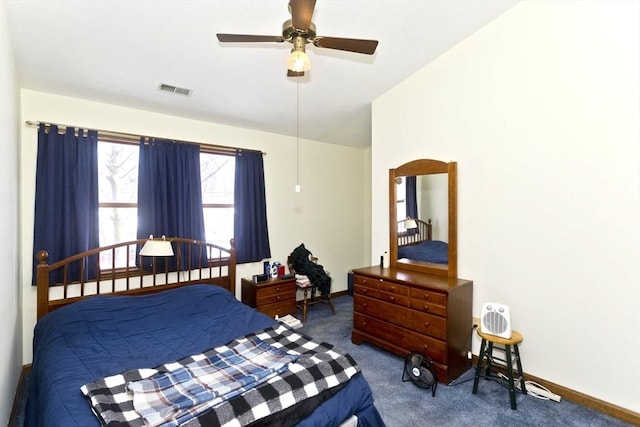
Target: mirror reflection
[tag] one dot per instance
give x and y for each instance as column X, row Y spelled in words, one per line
column 422, row 217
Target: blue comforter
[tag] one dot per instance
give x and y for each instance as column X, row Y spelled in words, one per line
column 435, row 251
column 106, row 335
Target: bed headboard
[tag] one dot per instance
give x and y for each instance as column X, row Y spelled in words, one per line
column 205, row 263
column 415, row 235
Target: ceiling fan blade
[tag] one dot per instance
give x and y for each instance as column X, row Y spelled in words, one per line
column 351, row 45
column 248, row 38
column 301, row 13
column 295, row 73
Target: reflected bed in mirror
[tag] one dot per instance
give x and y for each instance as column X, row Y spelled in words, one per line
column 423, row 217
column 415, row 242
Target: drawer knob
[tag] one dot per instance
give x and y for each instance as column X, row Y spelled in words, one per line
column 393, row 288
column 278, row 297
column 426, row 296
column 364, row 304
column 426, row 307
column 426, row 324
column 364, row 291
column 425, row 347
column 277, row 289
column 364, row 323
column 392, row 298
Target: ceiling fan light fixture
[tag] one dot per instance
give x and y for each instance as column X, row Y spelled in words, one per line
column 298, row 61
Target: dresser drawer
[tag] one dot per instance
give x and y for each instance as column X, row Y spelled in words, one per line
column 365, row 290
column 426, row 307
column 428, row 296
column 395, row 293
column 394, row 298
column 366, row 281
column 423, row 323
column 406, row 339
column 394, row 288
column 427, row 324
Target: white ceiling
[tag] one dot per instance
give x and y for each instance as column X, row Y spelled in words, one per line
column 119, row 52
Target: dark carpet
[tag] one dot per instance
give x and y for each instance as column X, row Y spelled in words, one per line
column 403, row 404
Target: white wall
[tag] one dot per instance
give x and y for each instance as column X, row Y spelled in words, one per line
column 10, row 314
column 326, row 215
column 540, row 109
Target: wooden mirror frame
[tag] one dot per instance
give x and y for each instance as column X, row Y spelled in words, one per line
column 425, row 167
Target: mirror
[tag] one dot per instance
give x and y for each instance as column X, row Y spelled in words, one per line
column 427, row 243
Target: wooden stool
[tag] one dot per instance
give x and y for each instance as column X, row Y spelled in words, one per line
column 510, row 348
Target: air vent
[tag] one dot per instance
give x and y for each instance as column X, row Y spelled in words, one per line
column 174, row 89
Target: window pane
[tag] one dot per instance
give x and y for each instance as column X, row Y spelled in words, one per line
column 217, row 174
column 218, row 225
column 117, row 225
column 118, row 173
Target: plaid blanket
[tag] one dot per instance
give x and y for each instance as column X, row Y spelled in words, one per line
column 320, row 367
column 174, row 397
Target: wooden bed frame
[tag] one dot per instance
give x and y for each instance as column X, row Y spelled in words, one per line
column 220, row 270
column 422, row 233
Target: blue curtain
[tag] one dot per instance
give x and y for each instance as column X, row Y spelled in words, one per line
column 66, row 202
column 170, row 195
column 411, row 198
column 250, row 214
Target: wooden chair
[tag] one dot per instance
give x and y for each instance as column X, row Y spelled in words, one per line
column 510, row 348
column 309, row 298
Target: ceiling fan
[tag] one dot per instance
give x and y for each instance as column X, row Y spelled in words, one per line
column 299, row 30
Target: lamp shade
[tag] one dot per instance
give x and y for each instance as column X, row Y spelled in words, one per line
column 157, row 248
column 410, row 223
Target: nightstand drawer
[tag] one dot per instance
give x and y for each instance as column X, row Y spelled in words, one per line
column 281, row 308
column 273, row 294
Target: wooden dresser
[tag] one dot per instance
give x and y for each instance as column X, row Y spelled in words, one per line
column 273, row 297
column 402, row 311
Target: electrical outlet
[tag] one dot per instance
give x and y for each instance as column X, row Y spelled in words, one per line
column 476, row 322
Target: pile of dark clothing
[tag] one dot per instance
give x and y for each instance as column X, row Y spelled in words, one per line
column 302, row 264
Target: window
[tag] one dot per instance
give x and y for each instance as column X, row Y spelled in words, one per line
column 118, row 188
column 217, row 173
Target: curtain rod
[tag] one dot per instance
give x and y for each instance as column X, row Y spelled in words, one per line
column 112, row 134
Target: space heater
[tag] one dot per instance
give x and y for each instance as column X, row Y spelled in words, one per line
column 495, row 320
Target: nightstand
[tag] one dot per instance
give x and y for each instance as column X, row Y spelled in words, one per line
column 273, row 297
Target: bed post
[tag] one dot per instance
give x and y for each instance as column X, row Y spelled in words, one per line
column 42, row 281
column 232, row 268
